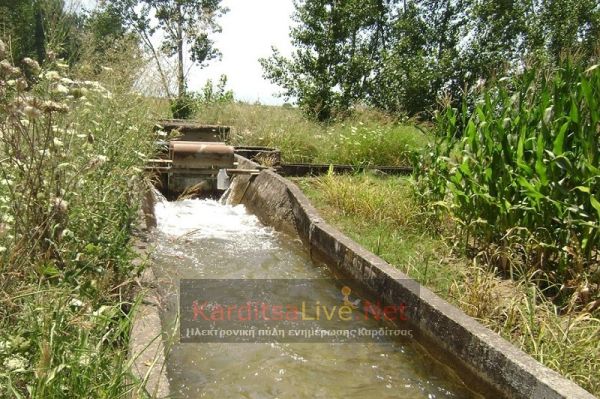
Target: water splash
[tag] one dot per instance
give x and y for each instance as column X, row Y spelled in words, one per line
column 206, row 239
column 201, row 219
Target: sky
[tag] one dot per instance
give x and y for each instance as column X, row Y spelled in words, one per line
column 250, row 28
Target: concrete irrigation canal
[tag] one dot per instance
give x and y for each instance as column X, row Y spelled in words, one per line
column 202, row 239
column 258, row 297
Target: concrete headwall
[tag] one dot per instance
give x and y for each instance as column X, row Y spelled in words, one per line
column 487, row 361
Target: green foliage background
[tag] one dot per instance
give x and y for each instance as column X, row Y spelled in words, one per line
column 521, row 171
column 400, row 56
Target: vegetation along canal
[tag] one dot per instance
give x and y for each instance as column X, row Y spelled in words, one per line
column 203, row 239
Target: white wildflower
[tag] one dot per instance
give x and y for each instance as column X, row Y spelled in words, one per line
column 57, row 142
column 52, row 106
column 16, row 363
column 61, row 89
column 97, row 161
column 9, row 69
column 2, row 250
column 84, row 360
column 100, row 311
column 32, row 64
column 60, row 205
column 76, row 303
column 22, row 84
column 66, row 233
column 479, row 84
column 52, row 75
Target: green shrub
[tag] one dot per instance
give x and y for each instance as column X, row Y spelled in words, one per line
column 215, row 94
column 183, row 107
column 521, row 171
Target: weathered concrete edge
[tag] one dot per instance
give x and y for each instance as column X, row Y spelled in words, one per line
column 146, row 345
column 280, row 203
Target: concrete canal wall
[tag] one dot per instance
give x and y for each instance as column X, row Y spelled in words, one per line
column 484, row 359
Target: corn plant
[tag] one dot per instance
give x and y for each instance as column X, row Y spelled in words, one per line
column 521, row 169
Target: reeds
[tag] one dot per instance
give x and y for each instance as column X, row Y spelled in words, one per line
column 71, row 158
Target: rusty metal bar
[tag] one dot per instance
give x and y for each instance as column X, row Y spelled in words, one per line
column 201, row 155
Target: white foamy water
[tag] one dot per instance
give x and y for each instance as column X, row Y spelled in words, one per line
column 205, row 239
column 197, row 219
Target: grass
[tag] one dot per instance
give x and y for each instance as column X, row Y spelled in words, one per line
column 382, row 215
column 72, row 153
column 367, row 138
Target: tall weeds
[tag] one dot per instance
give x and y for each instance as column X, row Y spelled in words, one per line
column 367, row 138
column 71, row 153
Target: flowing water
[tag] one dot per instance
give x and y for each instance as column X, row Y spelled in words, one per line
column 199, row 239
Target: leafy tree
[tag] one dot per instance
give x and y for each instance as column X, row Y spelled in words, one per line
column 400, row 56
column 17, row 22
column 447, row 25
column 502, row 35
column 393, row 55
column 64, row 29
column 401, row 83
column 105, row 27
column 571, row 25
column 34, row 26
column 184, row 25
column 337, row 45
